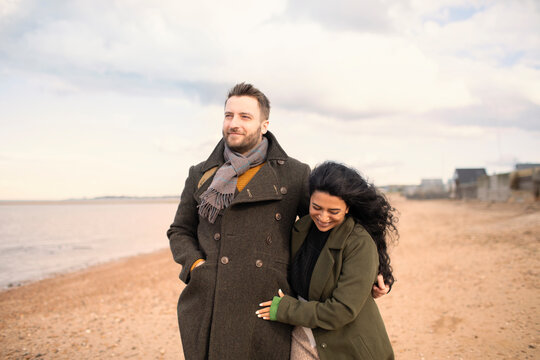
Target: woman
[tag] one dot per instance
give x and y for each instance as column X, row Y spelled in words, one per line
column 337, row 252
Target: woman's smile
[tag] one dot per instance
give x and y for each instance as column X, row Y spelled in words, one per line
column 327, row 211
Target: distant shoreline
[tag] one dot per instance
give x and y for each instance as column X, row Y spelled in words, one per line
column 79, row 269
column 102, row 201
column 66, row 235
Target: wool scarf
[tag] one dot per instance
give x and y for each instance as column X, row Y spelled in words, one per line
column 220, row 193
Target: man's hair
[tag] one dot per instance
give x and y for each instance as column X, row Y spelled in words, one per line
column 244, row 89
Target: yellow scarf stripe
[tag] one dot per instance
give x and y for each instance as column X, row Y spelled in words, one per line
column 245, row 178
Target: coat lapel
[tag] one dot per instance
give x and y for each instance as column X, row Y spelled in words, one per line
column 299, row 233
column 262, row 187
column 337, row 238
column 324, row 267
column 321, row 273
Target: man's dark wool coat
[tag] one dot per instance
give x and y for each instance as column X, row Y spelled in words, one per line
column 247, row 254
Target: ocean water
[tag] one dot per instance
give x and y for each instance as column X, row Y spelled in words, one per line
column 41, row 240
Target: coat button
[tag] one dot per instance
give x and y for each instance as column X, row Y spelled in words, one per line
column 278, row 216
column 269, row 239
column 224, row 260
column 258, row 263
column 283, row 190
column 281, row 162
column 324, row 346
column 217, row 236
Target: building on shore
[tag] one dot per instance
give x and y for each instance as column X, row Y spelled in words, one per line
column 428, row 189
column 494, row 187
column 525, row 183
column 466, row 183
column 524, row 166
column 520, row 185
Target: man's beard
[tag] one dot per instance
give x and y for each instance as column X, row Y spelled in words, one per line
column 249, row 142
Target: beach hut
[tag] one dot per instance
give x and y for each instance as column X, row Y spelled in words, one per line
column 494, row 187
column 524, row 166
column 525, row 182
column 465, row 182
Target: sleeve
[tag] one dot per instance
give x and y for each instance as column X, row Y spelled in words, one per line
column 274, row 307
column 359, row 269
column 183, row 231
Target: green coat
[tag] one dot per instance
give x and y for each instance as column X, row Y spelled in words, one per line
column 345, row 320
column 247, row 254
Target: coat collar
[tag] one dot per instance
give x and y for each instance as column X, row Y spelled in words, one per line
column 325, row 263
column 336, row 240
column 262, row 187
column 275, row 152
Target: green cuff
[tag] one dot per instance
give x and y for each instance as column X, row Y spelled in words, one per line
column 273, row 308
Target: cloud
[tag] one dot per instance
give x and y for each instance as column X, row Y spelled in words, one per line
column 358, row 75
column 498, row 112
column 454, row 13
column 364, row 16
column 307, row 66
column 505, row 161
column 498, row 33
column 401, row 83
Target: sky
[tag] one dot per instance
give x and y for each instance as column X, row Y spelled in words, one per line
column 111, row 98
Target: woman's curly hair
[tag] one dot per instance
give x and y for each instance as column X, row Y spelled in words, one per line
column 367, row 205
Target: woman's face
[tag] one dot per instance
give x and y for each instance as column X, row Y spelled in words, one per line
column 327, row 211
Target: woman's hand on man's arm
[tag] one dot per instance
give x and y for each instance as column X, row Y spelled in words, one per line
column 264, row 313
column 380, row 289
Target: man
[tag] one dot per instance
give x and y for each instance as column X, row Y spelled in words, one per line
column 231, row 235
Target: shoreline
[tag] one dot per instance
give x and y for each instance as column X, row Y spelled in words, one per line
column 76, row 269
column 41, row 241
column 91, row 201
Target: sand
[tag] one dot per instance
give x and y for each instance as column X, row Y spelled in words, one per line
column 467, row 288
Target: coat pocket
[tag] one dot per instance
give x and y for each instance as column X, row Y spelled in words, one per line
column 197, row 292
column 194, row 311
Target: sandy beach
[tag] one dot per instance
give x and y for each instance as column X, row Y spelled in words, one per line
column 467, row 288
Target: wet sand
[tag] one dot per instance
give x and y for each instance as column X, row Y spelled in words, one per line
column 467, row 288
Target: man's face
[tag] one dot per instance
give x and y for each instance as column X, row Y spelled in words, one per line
column 243, row 125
